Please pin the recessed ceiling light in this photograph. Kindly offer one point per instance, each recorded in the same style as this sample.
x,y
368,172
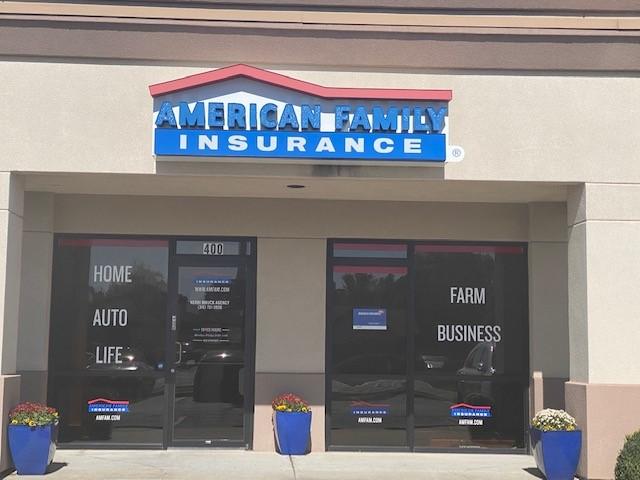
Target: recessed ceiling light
x,y
296,185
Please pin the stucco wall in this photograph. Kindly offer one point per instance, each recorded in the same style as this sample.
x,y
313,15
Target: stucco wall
x,y
290,330
604,274
97,118
548,310
35,296
11,225
281,218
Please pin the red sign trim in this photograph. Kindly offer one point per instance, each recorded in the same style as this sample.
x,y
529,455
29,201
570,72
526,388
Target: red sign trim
x,y
278,80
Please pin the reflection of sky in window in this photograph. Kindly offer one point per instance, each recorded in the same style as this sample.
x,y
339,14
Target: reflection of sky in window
x,y
366,250
491,250
155,259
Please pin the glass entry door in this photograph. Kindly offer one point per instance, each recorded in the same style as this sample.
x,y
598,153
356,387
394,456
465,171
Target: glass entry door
x,y
211,338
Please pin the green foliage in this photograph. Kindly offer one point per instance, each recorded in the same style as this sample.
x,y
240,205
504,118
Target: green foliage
x,y
628,463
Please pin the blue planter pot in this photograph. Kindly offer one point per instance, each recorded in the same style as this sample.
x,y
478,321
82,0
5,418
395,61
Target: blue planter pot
x,y
32,448
556,453
293,432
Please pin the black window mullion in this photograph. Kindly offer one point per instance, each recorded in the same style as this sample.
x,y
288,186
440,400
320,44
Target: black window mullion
x,y
330,300
411,348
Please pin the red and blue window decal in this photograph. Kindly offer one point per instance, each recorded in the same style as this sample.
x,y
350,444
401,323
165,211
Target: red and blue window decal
x,y
103,405
464,410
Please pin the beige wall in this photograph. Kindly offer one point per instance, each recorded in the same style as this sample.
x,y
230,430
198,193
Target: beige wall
x,y
9,398
290,328
35,296
291,281
513,127
603,414
35,288
604,274
604,240
279,218
11,223
11,226
548,324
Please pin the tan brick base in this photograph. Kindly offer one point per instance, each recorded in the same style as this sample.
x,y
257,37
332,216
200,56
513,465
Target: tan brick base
x,y
9,398
606,413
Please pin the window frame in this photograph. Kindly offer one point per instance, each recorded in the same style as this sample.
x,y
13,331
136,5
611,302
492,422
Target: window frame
x,y
410,263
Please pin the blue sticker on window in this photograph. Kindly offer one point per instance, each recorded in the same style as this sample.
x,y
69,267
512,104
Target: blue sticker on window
x,y
369,318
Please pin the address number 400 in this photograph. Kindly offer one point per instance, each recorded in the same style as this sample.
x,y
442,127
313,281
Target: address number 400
x,y
213,248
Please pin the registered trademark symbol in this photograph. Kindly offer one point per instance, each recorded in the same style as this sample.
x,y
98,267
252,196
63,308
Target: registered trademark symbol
x,y
456,152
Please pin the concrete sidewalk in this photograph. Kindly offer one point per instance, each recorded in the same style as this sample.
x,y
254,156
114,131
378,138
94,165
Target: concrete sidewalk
x,y
198,464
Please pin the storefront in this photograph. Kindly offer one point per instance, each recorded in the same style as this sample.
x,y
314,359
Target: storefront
x,y
426,342
421,219
153,343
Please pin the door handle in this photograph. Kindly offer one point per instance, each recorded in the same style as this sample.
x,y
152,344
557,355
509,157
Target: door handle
x,y
179,352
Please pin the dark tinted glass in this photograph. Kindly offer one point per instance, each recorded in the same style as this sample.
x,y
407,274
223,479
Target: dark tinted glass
x,y
209,398
368,388
471,346
369,410
107,337
471,310
468,413
118,409
463,372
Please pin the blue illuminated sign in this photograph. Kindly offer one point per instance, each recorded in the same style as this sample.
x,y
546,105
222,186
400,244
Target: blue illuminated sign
x,y
393,125
206,143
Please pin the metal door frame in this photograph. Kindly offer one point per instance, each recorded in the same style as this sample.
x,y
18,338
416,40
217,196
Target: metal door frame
x,y
193,260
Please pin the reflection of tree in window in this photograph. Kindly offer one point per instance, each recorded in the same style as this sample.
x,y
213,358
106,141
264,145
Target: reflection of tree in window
x,y
145,301
372,289
436,273
375,352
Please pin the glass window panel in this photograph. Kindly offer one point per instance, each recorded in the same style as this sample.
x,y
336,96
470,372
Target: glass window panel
x,y
468,413
369,410
376,345
368,401
471,348
106,409
108,320
369,250
471,310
